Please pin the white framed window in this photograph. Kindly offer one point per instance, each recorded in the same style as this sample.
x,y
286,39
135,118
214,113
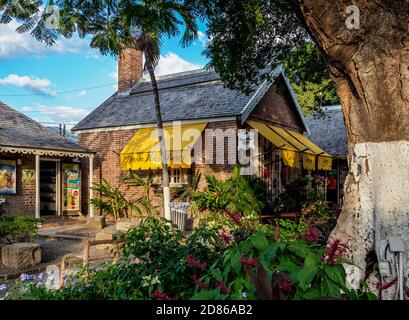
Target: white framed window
x,y
177,177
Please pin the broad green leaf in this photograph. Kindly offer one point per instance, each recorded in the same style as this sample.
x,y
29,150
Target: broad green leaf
x,y
336,273
300,249
312,293
235,262
311,260
305,277
329,289
259,241
207,295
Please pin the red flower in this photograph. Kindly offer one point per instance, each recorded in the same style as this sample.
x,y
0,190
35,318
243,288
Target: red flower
x,y
196,281
334,249
196,263
160,296
236,217
311,234
222,287
284,282
387,285
251,263
225,238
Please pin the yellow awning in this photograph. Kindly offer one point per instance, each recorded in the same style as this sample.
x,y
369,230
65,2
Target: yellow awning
x,y
143,151
324,163
308,143
308,161
272,136
291,158
293,142
287,135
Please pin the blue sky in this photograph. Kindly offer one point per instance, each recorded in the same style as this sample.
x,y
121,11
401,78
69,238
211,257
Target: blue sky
x,y
35,80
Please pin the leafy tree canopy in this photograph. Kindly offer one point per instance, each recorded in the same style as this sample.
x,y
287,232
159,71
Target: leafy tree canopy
x,y
247,35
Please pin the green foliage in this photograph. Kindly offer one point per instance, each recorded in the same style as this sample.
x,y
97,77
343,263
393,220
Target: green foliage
x,y
118,201
310,79
260,268
143,204
159,263
18,228
238,194
291,230
155,258
247,36
113,200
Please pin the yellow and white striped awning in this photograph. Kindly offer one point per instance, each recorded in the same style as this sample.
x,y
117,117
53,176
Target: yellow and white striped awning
x,y
294,147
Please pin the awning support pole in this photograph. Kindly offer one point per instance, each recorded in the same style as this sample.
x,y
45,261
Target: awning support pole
x,y
37,196
91,183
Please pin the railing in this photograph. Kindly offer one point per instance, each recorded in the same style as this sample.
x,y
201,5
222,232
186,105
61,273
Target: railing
x,y
85,257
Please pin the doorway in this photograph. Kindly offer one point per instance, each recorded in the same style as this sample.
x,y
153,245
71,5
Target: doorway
x,y
48,188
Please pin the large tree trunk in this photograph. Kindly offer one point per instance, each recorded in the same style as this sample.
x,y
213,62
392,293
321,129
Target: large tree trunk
x,y
370,67
159,123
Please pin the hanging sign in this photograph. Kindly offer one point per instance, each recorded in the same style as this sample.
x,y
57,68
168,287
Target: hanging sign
x,y
72,186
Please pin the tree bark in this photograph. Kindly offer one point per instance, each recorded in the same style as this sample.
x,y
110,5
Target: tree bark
x,y
165,174
370,68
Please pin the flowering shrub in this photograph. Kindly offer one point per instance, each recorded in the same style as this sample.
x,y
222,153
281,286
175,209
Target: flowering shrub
x,y
260,268
158,263
214,262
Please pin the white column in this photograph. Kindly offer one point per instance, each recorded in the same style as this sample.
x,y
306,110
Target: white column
x,y
37,172
91,182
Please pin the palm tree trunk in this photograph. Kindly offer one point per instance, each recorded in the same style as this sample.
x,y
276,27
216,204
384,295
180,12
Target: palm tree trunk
x,y
165,174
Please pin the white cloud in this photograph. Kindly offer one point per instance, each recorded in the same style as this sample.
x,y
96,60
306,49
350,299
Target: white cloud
x,y
172,63
13,43
60,114
168,64
82,93
30,83
202,38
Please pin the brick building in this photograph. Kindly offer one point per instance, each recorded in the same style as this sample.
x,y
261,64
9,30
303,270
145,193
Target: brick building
x,y
220,122
40,171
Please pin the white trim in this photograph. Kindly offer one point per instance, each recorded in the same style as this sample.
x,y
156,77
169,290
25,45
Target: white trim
x,y
91,184
153,125
45,152
37,194
58,189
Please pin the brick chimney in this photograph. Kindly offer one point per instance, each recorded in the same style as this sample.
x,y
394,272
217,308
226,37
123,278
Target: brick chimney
x,y
129,69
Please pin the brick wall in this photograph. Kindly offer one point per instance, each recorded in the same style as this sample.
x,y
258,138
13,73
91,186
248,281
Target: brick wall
x,y
109,144
278,109
129,69
23,203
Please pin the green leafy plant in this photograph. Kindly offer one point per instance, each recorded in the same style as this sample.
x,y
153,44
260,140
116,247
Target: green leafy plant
x,y
158,263
113,200
261,268
143,204
18,228
239,195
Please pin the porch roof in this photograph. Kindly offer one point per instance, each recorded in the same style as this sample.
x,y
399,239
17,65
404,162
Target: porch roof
x,y
21,133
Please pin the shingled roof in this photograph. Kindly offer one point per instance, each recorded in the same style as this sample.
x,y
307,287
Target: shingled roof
x,y
329,133
188,95
18,130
